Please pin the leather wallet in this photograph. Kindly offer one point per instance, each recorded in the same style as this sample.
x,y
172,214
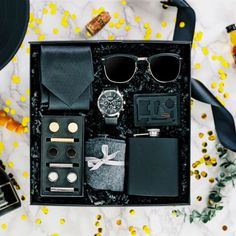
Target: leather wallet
x,y
66,77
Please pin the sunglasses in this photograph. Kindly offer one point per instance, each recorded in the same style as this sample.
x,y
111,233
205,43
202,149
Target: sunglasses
x,y
121,68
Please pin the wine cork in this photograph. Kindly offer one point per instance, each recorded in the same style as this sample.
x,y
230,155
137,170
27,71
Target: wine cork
x,y
96,24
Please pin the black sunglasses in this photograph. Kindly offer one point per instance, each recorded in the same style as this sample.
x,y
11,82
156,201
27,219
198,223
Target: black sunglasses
x,y
121,68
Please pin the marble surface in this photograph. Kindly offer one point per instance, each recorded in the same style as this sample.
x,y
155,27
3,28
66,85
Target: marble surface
x,y
132,19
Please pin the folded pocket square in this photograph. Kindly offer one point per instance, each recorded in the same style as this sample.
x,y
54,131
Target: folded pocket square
x,y
66,77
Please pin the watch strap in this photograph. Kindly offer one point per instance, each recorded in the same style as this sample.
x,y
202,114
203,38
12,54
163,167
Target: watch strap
x,y
111,120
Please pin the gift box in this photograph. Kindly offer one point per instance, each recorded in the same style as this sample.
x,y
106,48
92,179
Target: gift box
x,y
82,163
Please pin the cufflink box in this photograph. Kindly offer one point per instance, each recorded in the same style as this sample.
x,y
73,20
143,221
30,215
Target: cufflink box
x,y
94,124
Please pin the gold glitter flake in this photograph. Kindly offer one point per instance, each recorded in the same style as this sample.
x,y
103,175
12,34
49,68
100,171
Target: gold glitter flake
x,y
119,222
204,116
146,229
132,212
199,198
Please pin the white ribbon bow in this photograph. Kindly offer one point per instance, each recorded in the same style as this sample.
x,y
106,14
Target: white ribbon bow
x,y
96,163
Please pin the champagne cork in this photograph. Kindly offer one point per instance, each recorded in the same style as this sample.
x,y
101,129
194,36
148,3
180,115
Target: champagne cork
x,y
96,24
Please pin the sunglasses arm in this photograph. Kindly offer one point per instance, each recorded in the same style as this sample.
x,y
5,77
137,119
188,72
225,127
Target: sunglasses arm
x,y
185,14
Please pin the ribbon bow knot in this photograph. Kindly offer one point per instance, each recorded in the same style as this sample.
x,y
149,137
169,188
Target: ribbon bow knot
x,y
95,163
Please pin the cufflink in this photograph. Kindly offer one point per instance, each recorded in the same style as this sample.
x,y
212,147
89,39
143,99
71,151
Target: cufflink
x,y
53,176
71,152
71,177
73,127
52,152
54,127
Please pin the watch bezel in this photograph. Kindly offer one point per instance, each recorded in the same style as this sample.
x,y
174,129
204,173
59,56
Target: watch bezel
x,y
119,94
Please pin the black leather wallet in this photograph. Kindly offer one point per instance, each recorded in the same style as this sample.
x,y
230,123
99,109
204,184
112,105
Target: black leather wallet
x,y
66,77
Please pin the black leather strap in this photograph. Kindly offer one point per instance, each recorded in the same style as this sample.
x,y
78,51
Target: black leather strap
x,y
111,120
224,122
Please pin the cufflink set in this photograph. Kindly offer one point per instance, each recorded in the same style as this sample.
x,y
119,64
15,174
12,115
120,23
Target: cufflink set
x,y
62,155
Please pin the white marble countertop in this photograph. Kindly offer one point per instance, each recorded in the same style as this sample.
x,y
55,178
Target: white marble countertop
x,y
131,19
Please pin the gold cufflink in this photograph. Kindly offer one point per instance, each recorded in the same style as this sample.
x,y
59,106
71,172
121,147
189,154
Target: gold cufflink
x,y
73,127
54,127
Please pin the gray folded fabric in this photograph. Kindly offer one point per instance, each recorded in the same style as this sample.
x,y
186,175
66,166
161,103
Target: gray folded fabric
x,y
109,173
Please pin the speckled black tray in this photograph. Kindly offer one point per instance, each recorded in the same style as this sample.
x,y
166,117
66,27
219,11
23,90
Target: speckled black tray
x,y
141,82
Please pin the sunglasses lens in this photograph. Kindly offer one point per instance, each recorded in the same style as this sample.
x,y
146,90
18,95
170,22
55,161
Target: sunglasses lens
x,y
165,68
119,69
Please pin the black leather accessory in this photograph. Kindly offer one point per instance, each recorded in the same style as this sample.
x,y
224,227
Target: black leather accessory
x,y
152,168
156,110
8,198
66,77
14,16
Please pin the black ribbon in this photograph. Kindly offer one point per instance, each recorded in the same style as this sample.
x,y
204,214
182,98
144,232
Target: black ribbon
x,y
224,122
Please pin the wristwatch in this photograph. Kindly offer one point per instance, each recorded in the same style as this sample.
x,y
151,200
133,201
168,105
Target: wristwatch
x,y
110,103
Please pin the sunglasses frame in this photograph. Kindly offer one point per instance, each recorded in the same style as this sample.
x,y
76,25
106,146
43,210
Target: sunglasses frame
x,y
148,60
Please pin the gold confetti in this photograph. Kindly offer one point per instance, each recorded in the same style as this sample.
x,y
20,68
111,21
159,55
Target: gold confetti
x,y
25,174
10,164
97,224
16,79
204,116
132,212
137,19
226,95
116,15
201,135
211,180
146,229
197,66
164,24
205,51
62,221
204,174
214,85
119,222
182,24
24,217
212,137
224,227
44,210
4,226
146,25
199,198
38,221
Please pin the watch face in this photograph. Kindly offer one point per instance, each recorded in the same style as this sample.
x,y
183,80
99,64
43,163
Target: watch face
x,y
110,102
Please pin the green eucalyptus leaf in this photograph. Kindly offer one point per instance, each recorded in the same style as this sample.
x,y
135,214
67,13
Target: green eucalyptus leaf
x,y
205,218
190,219
196,214
219,208
231,168
215,197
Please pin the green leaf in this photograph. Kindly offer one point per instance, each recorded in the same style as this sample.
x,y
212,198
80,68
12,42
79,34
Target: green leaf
x,y
196,214
219,208
190,219
205,219
215,197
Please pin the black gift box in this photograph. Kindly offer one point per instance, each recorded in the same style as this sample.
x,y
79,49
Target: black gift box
x,y
94,122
